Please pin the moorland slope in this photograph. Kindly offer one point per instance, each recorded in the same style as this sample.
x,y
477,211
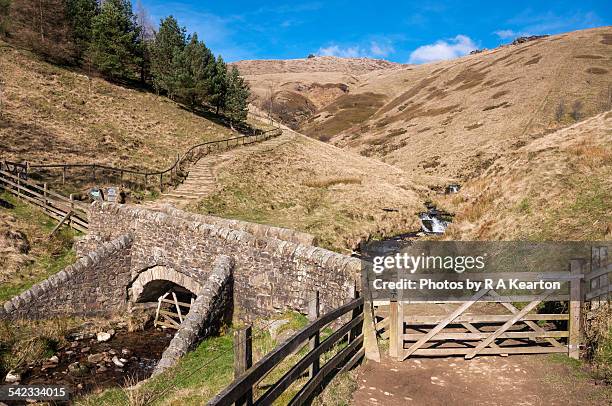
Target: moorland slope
x,y
450,118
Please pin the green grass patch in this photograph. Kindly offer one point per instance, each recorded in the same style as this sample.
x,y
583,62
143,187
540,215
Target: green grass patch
x,y
50,255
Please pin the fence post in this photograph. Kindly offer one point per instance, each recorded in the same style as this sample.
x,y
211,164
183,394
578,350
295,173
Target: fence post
x,y
64,175
313,314
370,342
354,331
18,186
45,196
161,182
577,267
146,179
243,360
72,209
393,330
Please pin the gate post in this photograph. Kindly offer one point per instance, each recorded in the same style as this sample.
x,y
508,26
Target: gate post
x,y
577,267
393,330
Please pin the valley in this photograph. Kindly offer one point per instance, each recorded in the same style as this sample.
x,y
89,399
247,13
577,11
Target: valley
x,y
239,256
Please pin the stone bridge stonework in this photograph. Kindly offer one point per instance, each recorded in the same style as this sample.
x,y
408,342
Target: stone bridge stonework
x,y
194,283
129,248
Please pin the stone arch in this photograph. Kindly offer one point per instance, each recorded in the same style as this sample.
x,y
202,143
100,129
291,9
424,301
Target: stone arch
x,y
161,274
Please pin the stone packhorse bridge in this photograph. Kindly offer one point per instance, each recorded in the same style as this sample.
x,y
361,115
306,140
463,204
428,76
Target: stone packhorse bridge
x,y
133,255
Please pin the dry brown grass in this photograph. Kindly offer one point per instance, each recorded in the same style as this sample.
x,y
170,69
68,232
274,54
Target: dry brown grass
x,y
453,101
304,184
27,254
558,187
52,114
27,341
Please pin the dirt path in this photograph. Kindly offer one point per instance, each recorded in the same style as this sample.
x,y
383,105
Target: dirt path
x,y
514,380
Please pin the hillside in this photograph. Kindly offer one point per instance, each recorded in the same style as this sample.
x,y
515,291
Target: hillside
x,y
452,118
52,114
301,87
301,183
558,187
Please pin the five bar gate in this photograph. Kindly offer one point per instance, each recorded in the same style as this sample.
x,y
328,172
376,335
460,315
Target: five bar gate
x,y
488,324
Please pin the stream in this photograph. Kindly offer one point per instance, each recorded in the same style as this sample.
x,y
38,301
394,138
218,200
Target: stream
x,y
86,365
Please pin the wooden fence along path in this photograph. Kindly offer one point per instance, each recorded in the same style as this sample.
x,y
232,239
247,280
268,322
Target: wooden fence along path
x,y
66,210
15,178
350,334
147,179
454,330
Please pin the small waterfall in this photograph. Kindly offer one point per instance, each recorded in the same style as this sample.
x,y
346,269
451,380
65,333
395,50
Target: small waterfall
x,y
434,221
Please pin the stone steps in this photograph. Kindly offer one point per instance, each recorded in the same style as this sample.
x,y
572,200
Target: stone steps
x,y
200,182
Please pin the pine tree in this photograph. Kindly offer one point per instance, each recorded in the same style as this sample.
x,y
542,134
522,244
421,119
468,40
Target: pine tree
x,y
166,55
236,103
197,68
81,14
218,85
115,49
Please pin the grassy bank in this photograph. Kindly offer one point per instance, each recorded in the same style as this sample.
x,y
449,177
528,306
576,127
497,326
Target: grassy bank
x,y
45,256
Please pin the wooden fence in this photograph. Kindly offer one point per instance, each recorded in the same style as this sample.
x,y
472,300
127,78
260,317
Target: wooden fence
x,y
64,209
241,391
454,330
169,177
598,288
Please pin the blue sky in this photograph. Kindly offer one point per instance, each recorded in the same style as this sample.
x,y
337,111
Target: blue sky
x,y
401,31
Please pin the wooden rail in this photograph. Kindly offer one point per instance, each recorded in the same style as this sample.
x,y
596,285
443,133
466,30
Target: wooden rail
x,y
63,209
172,175
242,389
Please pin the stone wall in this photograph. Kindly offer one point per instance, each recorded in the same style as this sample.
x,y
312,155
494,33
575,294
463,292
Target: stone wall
x,y
94,285
270,275
207,314
258,230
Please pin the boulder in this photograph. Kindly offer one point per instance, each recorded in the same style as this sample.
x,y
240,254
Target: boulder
x,y
12,377
117,362
76,368
96,358
103,336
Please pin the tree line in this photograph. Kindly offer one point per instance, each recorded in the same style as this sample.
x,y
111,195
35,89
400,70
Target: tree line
x,y
109,37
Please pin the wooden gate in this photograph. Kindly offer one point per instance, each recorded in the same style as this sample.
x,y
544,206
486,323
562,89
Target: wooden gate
x,y
488,324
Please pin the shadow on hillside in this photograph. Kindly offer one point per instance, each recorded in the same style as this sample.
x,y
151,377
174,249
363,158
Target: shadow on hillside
x,y
28,136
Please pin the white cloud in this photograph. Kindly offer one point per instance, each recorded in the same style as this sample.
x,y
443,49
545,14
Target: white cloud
x,y
381,50
506,34
335,50
442,50
529,23
374,50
